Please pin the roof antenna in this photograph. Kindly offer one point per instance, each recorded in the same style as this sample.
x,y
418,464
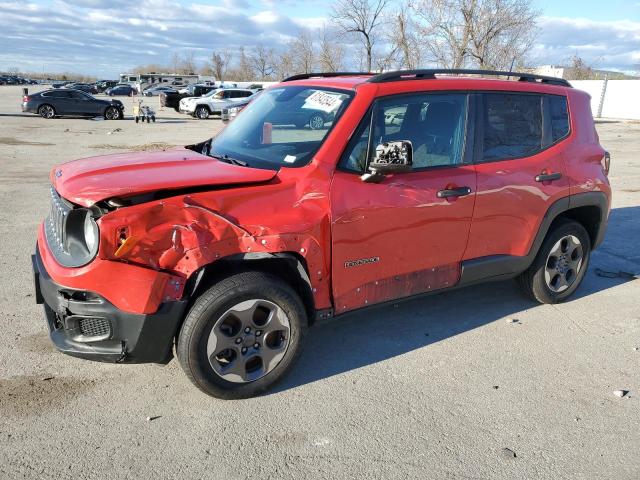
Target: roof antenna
x,y
511,68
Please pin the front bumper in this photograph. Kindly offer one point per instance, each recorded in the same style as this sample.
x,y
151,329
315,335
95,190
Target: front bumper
x,y
85,325
182,109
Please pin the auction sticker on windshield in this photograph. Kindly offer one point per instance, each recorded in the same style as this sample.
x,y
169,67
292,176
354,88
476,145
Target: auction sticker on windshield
x,y
324,101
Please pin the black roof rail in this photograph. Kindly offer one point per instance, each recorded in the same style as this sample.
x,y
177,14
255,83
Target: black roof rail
x,y
304,76
431,74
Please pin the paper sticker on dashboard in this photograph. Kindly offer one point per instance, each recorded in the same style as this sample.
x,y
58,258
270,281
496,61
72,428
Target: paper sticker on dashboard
x,y
324,101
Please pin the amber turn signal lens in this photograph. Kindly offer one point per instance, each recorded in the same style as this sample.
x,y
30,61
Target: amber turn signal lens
x,y
125,247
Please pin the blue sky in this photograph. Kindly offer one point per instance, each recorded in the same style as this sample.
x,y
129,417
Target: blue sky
x,y
104,38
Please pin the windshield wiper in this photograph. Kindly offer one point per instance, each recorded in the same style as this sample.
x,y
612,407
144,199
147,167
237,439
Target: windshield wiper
x,y
233,161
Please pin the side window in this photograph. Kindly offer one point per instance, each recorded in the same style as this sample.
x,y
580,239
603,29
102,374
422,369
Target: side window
x,y
512,126
355,156
559,117
433,123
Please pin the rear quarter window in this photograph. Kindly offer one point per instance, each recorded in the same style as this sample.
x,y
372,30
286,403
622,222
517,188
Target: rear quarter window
x,y
559,115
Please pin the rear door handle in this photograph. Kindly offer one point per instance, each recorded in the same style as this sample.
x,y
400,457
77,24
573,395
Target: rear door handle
x,y
454,192
548,177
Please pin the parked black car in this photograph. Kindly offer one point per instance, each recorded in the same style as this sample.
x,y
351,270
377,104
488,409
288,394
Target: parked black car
x,y
61,102
85,87
172,100
103,85
125,90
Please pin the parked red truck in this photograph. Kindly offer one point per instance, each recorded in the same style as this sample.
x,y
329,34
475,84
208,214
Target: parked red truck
x,y
418,181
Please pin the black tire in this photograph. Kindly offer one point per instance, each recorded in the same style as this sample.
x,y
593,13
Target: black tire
x,y
46,111
153,118
202,112
137,119
534,281
112,113
212,306
148,119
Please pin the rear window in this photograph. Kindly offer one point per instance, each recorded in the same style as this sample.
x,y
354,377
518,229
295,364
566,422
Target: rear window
x,y
512,126
559,117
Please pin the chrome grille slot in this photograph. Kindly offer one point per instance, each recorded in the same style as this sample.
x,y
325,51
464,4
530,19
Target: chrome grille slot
x,y
55,223
65,229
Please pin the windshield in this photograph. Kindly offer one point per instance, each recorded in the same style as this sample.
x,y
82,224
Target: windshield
x,y
212,92
284,126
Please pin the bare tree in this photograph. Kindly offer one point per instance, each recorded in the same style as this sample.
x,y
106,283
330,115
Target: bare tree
x,y
331,54
579,70
262,62
482,33
220,63
303,52
183,63
404,40
363,18
284,64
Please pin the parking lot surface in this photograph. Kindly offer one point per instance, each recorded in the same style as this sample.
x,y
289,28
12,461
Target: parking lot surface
x,y
474,383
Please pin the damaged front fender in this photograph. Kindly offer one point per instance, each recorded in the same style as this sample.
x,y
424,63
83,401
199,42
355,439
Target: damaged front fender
x,y
182,234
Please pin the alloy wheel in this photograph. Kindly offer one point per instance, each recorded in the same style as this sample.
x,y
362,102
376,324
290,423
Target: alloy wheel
x,y
316,122
202,113
46,111
112,113
248,341
563,263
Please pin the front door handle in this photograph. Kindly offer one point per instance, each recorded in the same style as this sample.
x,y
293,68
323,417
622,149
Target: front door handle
x,y
548,177
454,192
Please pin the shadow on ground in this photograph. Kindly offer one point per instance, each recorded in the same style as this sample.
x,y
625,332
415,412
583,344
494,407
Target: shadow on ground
x,y
376,334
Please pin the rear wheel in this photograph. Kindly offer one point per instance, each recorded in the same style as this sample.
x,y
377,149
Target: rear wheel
x,y
46,111
316,121
560,264
242,335
202,112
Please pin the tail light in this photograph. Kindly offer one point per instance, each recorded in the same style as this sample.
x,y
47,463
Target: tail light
x,y
26,98
606,163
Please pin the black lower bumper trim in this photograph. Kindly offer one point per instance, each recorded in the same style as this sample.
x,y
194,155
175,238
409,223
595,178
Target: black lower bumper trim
x,y
129,338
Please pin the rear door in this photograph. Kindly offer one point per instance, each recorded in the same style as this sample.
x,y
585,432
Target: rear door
x,y
61,101
403,236
520,170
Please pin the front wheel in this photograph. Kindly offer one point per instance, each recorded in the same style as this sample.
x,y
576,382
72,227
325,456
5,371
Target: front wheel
x,y
560,265
202,112
112,113
242,335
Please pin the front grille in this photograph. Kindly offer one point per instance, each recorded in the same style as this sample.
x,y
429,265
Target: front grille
x,y
95,327
55,223
64,230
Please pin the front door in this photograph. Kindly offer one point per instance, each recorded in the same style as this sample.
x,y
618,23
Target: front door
x,y
406,234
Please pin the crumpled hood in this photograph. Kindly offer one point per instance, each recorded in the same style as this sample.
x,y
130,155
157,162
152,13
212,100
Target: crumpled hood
x,y
93,179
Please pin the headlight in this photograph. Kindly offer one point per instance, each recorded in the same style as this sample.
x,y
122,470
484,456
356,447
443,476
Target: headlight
x,y
90,233
82,235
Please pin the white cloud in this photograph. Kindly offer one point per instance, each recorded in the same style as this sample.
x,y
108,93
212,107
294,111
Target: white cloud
x,y
602,44
106,37
266,16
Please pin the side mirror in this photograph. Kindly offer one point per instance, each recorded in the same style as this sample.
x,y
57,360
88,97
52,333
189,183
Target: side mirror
x,y
390,157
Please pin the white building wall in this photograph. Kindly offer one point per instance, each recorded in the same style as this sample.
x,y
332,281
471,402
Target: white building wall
x,y
621,98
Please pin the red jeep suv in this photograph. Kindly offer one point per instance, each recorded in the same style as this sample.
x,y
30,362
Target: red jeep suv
x,y
412,182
